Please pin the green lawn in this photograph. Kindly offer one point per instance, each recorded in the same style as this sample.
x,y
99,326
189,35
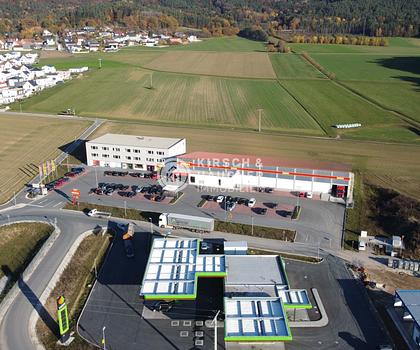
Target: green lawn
x,y
330,104
293,66
123,93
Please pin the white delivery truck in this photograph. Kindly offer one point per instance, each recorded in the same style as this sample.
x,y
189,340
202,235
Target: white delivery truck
x,y
192,223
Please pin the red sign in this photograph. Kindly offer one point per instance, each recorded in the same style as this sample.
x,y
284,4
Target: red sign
x,y
75,192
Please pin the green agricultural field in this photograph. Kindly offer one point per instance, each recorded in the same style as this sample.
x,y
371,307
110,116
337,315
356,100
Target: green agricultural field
x,y
331,104
368,67
296,97
125,93
226,64
25,142
401,97
293,66
224,44
397,46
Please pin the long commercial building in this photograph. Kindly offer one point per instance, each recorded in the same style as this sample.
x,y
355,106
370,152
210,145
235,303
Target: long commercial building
x,y
234,171
133,152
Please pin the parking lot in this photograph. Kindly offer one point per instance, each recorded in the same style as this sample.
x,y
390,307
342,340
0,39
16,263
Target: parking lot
x,y
320,222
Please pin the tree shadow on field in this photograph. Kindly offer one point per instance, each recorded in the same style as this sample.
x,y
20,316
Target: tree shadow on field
x,y
404,64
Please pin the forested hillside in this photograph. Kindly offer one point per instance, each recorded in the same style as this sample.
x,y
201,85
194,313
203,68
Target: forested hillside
x,y
219,17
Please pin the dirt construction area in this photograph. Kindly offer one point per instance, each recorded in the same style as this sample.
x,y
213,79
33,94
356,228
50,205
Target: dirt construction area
x,y
242,64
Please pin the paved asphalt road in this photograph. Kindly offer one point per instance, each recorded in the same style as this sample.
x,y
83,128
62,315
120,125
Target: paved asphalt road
x,y
352,324
14,326
320,222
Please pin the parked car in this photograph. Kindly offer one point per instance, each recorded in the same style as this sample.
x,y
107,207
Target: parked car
x,y
204,246
262,211
273,205
242,201
309,195
219,199
139,189
301,194
230,206
108,173
129,249
131,194
145,189
159,198
109,192
268,190
70,174
78,170
163,306
251,202
235,199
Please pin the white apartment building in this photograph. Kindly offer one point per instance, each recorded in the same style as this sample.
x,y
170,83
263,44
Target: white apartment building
x,y
132,152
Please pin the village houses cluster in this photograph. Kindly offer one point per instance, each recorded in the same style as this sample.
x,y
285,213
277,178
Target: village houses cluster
x,y
19,78
90,39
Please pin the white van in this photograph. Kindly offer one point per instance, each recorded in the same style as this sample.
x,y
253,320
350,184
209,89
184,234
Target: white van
x,y
362,245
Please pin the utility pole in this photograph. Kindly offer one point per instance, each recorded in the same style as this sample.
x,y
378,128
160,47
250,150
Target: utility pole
x,y
259,118
96,178
215,329
125,209
100,63
252,225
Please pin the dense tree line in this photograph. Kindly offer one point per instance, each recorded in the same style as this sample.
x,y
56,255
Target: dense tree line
x,y
221,17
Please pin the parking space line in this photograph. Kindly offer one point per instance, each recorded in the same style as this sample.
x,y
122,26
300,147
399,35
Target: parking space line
x,y
55,205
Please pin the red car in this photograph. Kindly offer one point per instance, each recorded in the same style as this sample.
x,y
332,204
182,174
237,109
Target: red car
x,y
301,194
70,174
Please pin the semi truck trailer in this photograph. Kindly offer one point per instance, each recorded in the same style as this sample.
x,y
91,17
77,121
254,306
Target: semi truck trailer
x,y
189,222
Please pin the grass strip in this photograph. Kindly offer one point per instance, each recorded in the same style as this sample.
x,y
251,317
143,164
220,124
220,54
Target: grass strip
x,y
19,243
75,283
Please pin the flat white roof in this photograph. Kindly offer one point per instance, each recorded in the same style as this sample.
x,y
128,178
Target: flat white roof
x,y
254,270
255,317
173,265
136,141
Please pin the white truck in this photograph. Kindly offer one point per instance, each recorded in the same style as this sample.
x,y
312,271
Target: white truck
x,y
99,214
189,222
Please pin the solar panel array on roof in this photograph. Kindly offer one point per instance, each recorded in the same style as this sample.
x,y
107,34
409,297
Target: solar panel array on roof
x,y
255,319
173,268
411,301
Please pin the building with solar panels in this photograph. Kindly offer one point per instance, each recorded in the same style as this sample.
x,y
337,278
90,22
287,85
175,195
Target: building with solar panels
x,y
256,292
406,316
234,171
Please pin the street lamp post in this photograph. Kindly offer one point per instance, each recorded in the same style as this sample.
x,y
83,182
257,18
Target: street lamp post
x,y
215,329
252,225
125,209
103,337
